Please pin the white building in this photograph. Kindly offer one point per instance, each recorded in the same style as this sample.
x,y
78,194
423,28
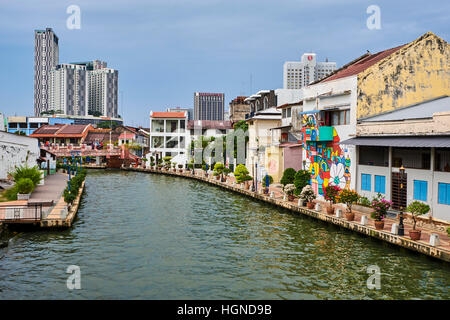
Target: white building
x,y
168,135
2,122
103,91
17,150
297,74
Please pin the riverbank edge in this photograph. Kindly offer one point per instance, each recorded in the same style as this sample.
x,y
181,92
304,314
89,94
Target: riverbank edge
x,y
73,210
416,246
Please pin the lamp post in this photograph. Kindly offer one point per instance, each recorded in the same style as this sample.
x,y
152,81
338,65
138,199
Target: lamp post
x,y
401,227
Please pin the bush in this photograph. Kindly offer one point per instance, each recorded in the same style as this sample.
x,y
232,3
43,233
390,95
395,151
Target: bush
x,y
417,208
241,173
364,201
11,193
289,189
288,176
226,171
301,180
349,197
331,194
380,209
270,181
307,194
25,185
218,167
24,172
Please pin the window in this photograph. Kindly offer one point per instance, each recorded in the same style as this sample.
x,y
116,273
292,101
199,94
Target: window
x,y
380,184
284,113
171,142
444,193
365,182
374,156
157,125
289,112
171,125
157,142
420,190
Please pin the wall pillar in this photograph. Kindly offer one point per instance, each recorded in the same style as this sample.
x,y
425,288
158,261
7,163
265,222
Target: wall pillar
x,y
432,162
389,177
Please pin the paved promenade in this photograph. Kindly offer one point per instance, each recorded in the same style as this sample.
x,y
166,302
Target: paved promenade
x,y
52,189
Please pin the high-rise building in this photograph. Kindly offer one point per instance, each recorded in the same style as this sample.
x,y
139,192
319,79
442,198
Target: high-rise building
x,y
102,88
209,106
46,57
68,90
297,74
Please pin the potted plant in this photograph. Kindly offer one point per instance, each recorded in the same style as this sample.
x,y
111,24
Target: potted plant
x,y
180,168
191,167
205,170
308,195
247,180
218,168
417,208
241,174
24,187
331,195
289,190
349,197
226,172
380,207
216,175
288,176
265,185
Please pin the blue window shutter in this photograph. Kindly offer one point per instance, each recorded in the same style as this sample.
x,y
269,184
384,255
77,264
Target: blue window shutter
x,y
448,193
424,190
442,193
420,190
365,182
416,190
380,184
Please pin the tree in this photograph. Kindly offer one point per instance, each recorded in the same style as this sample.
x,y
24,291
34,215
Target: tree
x,y
241,125
288,176
301,179
95,113
417,208
241,173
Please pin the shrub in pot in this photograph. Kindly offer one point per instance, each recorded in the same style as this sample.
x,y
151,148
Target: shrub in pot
x,y
180,167
331,194
380,207
240,173
308,196
218,168
301,179
226,172
288,176
349,197
416,209
246,180
289,190
24,188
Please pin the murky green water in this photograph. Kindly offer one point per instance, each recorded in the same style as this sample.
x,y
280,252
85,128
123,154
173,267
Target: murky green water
x,y
142,236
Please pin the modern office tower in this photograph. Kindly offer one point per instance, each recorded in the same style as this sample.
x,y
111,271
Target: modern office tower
x,y
208,106
46,57
297,74
68,90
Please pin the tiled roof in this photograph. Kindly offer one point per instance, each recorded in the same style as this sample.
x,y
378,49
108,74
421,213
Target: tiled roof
x,y
64,131
168,115
126,135
360,64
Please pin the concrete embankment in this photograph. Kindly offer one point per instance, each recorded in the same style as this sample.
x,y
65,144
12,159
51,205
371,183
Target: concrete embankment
x,y
440,253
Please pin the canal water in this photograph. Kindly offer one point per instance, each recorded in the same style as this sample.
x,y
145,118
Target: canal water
x,y
143,236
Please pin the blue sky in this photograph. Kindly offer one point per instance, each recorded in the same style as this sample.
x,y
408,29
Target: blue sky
x,y
166,49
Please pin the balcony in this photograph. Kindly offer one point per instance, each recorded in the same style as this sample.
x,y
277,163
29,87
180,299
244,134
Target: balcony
x,y
317,134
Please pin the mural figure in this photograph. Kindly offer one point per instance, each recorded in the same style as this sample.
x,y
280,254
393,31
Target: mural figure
x,y
325,160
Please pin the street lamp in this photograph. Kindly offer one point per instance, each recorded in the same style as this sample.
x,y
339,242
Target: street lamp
x,y
401,227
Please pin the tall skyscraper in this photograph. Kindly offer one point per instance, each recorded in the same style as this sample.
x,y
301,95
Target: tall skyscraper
x,y
68,92
297,74
46,57
103,91
209,106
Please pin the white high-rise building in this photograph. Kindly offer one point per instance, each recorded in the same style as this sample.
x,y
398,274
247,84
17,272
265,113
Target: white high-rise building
x,y
103,91
68,92
297,74
46,57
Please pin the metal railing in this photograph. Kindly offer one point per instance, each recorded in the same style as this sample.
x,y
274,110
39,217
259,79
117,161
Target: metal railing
x,y
21,214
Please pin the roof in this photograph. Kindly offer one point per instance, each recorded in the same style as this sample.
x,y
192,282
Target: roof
x,y
168,115
126,135
62,130
209,124
286,105
94,136
359,64
401,141
416,111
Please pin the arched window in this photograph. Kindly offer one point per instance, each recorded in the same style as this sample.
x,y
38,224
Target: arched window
x,y
266,102
258,105
252,107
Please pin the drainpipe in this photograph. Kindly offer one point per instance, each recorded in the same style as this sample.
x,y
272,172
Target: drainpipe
x,y
389,177
432,161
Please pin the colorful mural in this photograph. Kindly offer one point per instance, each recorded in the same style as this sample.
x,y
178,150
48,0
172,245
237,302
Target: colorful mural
x,y
327,162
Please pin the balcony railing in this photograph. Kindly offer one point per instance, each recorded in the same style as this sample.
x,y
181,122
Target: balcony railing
x,y
21,214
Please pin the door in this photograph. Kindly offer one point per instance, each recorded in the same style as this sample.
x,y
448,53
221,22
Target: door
x,y
399,190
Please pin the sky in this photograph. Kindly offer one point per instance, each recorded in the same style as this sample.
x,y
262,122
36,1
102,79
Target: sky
x,y
165,50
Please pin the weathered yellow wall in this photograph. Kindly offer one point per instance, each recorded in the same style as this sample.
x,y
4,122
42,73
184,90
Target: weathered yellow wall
x,y
273,162
415,73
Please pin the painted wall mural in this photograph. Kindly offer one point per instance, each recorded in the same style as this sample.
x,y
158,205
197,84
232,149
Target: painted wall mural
x,y
326,161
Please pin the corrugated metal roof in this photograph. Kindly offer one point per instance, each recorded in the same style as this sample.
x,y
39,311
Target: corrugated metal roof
x,y
416,111
410,141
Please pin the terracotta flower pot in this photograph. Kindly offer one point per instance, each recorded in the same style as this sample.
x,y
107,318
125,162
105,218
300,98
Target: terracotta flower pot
x,y
379,225
217,177
330,210
291,197
414,234
349,216
310,205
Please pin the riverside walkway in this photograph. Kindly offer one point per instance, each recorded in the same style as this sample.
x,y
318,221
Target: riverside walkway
x,y
440,251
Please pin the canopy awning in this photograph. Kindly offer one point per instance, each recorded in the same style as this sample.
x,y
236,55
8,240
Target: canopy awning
x,y
308,112
403,141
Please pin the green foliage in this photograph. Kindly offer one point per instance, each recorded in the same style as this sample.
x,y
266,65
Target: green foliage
x,y
191,166
364,201
95,113
75,185
417,208
23,172
288,176
448,231
241,173
25,185
348,197
307,193
204,167
270,181
11,193
289,189
226,171
241,125
218,167
301,180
